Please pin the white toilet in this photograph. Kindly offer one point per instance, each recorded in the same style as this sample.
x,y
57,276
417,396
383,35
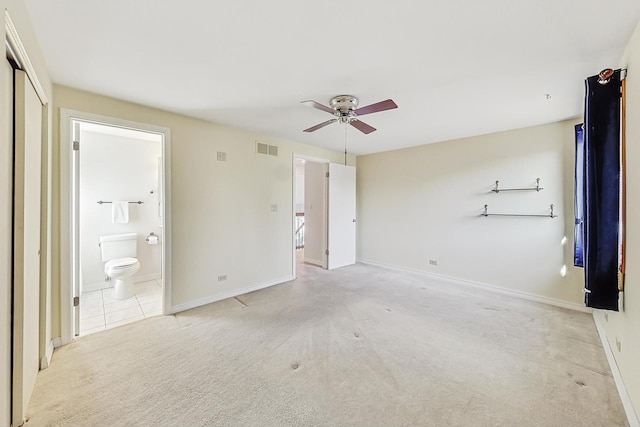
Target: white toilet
x,y
119,253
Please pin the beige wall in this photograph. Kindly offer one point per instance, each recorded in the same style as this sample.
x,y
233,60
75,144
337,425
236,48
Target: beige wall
x,y
425,202
222,222
624,327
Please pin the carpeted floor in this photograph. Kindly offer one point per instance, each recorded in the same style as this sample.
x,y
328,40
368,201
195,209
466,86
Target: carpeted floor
x,y
359,346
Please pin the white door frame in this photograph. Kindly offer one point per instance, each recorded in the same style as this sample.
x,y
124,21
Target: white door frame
x,y
14,42
293,202
67,117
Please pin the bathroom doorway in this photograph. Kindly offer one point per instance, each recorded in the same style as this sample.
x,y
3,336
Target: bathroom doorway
x,y
126,163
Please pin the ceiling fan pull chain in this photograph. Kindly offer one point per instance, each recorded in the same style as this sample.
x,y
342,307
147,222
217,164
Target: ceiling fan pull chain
x,y
345,145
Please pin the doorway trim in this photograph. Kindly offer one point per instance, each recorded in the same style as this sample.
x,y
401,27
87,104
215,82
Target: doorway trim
x,y
67,117
17,48
295,157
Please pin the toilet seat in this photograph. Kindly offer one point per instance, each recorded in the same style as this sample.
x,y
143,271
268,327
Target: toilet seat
x,y
120,263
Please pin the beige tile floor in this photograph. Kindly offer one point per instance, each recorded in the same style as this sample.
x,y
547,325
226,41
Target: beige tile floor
x,y
99,311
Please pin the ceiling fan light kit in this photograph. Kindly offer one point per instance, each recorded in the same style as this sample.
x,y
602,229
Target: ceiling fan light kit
x,y
346,111
341,102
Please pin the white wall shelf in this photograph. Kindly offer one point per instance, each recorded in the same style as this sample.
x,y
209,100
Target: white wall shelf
x,y
550,215
537,188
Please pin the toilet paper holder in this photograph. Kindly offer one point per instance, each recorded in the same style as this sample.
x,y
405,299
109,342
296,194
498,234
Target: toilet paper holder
x,y
153,236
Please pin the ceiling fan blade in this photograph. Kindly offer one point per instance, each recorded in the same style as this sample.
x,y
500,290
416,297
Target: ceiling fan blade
x,y
378,106
321,125
319,106
362,126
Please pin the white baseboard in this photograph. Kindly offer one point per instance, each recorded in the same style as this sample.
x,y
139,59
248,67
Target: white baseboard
x,y
632,417
493,288
46,360
106,285
57,342
228,294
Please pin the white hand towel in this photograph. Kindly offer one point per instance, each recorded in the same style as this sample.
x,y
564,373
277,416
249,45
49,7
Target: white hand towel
x,y
120,212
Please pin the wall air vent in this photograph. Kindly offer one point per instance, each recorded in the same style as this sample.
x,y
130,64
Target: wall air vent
x,y
262,148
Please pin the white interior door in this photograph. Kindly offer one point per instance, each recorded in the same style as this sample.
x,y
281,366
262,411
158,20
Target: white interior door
x,y
342,216
26,243
6,241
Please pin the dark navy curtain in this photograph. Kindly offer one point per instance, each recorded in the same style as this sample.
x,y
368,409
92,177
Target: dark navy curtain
x,y
602,191
578,233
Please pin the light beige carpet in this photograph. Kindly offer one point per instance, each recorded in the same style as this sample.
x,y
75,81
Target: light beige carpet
x,y
360,346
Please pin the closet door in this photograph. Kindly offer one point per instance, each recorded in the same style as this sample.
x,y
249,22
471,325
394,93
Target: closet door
x,y
26,243
6,240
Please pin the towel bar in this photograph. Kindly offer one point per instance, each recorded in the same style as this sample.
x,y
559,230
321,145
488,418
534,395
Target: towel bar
x,y
101,202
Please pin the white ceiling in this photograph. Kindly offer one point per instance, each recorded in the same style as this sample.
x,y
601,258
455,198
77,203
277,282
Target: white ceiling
x,y
455,68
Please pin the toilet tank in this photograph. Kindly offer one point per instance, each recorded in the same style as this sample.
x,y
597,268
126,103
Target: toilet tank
x,y
115,246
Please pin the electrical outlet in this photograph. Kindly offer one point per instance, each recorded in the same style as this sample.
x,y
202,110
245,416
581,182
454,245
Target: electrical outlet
x,y
618,344
222,277
433,262
222,156
274,207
